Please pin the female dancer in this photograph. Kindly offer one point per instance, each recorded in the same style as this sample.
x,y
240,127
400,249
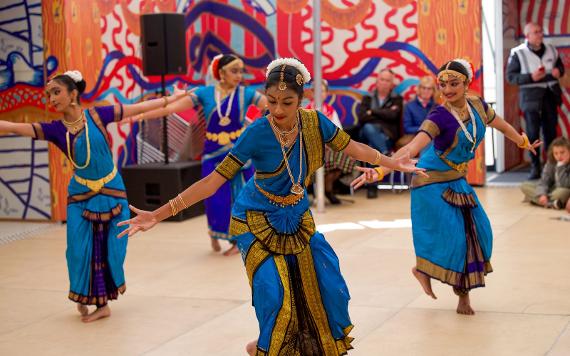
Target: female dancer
x,y
97,197
452,234
336,163
299,295
224,105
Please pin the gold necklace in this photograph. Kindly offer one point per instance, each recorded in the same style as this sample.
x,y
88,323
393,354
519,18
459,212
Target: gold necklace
x,y
74,126
225,119
296,188
282,135
88,143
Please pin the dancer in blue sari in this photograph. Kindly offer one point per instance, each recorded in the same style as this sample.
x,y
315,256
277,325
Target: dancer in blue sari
x,y
452,235
97,197
224,106
299,294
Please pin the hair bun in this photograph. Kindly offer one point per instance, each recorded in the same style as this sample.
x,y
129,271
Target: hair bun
x,y
81,86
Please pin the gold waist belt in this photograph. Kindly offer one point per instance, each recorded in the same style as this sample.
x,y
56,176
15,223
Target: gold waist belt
x,y
97,184
223,138
280,200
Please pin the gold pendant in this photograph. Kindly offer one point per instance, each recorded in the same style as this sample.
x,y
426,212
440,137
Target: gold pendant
x,y
297,189
225,121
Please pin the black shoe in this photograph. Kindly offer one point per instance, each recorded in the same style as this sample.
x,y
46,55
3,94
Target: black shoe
x,y
534,173
332,198
372,192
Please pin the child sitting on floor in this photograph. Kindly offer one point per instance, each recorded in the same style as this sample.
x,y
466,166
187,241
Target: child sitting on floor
x,y
553,188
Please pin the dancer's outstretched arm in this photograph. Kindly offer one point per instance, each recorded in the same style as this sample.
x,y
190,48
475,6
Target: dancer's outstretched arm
x,y
412,149
155,108
520,140
198,191
365,153
18,128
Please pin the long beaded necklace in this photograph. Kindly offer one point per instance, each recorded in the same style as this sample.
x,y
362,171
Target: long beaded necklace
x,y
296,188
88,143
224,120
470,138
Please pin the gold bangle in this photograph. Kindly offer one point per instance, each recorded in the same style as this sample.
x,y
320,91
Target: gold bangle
x,y
378,158
380,172
184,205
165,101
525,142
173,209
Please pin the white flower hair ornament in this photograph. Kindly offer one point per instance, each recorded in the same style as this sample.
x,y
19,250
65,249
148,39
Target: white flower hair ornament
x,y
302,78
75,75
468,67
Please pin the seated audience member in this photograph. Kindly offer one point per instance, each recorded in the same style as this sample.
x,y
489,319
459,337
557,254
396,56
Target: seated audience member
x,y
553,188
417,109
336,163
380,118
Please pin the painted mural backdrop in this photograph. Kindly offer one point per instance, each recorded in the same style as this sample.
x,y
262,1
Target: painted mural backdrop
x,y
101,38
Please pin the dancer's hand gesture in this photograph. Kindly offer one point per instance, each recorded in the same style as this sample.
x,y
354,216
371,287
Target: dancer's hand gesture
x,y
144,221
526,145
406,164
369,175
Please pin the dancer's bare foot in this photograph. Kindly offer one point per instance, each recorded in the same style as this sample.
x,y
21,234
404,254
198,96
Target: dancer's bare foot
x,y
251,347
425,282
231,251
82,309
99,313
215,244
464,305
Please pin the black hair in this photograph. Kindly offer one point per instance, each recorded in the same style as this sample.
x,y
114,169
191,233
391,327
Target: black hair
x,y
456,66
70,84
289,78
225,60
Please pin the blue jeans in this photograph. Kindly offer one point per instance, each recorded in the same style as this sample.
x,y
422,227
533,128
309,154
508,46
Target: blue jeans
x,y
374,136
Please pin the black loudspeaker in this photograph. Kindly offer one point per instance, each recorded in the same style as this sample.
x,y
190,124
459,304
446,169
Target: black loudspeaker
x,y
151,185
163,44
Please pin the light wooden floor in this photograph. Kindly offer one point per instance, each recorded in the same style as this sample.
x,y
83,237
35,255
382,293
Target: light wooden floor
x,y
182,299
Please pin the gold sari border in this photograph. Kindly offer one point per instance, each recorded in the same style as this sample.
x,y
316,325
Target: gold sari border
x,y
430,128
102,217
339,141
280,328
90,300
436,177
450,277
121,194
313,141
460,200
229,167
314,302
255,256
99,123
278,242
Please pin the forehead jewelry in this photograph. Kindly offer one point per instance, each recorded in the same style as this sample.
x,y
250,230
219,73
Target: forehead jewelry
x,y
282,84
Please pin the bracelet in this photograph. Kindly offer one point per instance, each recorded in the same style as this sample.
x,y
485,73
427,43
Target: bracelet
x,y
525,142
380,172
182,202
173,209
378,158
165,101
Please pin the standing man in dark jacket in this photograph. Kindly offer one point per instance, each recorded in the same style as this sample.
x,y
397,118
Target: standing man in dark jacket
x,y
380,116
536,67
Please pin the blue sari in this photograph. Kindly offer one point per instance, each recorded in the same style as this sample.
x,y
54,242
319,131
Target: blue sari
x,y
299,294
96,203
219,141
452,235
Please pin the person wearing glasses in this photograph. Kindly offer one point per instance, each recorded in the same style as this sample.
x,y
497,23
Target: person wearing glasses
x,y
417,110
